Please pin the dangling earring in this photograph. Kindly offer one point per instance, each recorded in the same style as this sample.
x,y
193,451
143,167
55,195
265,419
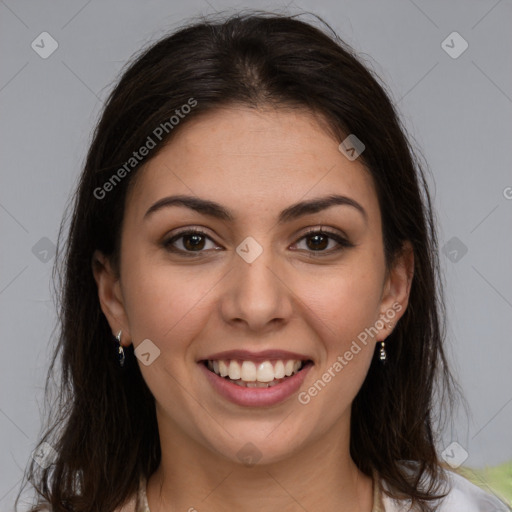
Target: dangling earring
x,y
120,350
383,354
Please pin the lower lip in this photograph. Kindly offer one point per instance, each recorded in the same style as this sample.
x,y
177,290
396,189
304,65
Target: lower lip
x,y
256,397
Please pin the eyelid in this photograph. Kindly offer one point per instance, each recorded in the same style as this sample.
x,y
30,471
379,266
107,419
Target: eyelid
x,y
320,229
168,241
339,237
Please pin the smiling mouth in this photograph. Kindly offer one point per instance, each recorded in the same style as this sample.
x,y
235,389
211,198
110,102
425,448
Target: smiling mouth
x,y
264,374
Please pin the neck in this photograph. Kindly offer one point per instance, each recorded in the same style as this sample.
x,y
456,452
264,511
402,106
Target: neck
x,y
321,476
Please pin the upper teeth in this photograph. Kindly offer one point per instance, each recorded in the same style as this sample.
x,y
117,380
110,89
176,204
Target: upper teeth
x,y
249,371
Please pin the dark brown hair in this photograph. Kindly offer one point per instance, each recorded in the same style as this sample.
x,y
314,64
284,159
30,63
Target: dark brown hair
x,y
103,423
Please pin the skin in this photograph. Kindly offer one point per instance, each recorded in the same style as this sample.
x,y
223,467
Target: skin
x,y
256,163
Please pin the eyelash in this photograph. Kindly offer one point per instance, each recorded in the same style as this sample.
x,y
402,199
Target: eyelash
x,y
343,243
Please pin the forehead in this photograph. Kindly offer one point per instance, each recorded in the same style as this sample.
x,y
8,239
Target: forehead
x,y
252,160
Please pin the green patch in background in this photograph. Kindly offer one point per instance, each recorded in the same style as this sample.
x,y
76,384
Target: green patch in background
x,y
495,480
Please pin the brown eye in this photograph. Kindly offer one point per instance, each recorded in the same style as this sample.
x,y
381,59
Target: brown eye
x,y
188,242
318,241
192,242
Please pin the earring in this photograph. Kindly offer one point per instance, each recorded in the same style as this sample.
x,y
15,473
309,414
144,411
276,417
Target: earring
x,y
383,354
120,350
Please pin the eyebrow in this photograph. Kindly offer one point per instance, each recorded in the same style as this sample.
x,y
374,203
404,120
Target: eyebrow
x,y
217,211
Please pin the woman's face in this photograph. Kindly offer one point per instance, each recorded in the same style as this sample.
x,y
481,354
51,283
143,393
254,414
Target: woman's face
x,y
253,281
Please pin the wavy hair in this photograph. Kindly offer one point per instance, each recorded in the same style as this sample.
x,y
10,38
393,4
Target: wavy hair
x,y
102,423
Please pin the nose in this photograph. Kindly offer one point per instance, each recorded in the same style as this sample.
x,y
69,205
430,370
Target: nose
x,y
256,295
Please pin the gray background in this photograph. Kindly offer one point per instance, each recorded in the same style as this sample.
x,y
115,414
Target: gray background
x,y
457,109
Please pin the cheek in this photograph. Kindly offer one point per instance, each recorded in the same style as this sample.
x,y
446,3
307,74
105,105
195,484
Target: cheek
x,y
346,298
169,306
361,288
344,305
343,308
164,303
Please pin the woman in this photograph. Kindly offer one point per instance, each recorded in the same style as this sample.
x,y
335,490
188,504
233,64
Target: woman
x,y
251,312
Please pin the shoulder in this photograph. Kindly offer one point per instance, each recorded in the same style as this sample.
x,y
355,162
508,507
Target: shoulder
x,y
462,496
129,506
468,497
138,501
134,503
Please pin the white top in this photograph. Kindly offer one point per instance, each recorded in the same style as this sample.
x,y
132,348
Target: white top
x,y
463,496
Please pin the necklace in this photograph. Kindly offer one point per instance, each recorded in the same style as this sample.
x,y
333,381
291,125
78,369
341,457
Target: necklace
x,y
378,506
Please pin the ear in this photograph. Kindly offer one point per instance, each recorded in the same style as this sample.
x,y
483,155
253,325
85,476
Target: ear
x,y
110,295
396,291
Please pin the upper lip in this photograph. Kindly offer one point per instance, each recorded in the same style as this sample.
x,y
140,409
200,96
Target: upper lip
x,y
265,355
